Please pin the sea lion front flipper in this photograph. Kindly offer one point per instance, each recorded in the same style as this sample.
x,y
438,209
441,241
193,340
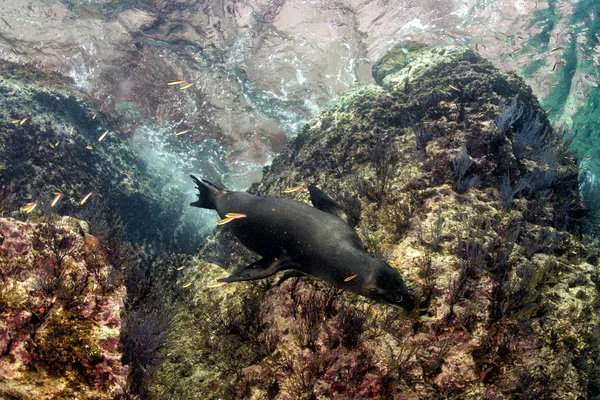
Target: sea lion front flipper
x,y
262,268
288,275
325,203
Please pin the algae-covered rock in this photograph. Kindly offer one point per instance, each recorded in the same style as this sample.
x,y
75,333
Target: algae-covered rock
x,y
52,140
60,313
450,171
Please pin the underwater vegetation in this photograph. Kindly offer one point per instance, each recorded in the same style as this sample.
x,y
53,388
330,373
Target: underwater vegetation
x,y
450,171
78,213
60,306
447,168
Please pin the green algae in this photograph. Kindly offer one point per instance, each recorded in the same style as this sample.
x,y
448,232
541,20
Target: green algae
x,y
396,59
67,343
582,12
9,295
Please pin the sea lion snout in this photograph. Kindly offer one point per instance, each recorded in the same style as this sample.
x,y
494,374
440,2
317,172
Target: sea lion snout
x,y
390,288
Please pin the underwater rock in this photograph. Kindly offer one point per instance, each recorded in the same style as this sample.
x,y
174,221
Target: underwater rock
x,y
59,314
450,171
55,141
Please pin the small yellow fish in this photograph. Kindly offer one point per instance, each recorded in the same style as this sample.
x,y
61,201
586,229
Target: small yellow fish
x,y
89,147
94,116
216,284
56,198
176,82
22,121
102,136
547,110
52,145
29,207
187,85
71,131
292,189
87,196
518,49
529,148
454,88
554,67
556,49
186,284
589,157
15,121
230,217
180,268
127,174
182,132
348,279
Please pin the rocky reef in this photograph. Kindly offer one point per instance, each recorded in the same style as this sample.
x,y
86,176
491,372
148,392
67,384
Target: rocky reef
x,y
449,170
73,195
61,299
53,140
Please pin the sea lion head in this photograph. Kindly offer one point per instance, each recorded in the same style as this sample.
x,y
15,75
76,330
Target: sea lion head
x,y
385,285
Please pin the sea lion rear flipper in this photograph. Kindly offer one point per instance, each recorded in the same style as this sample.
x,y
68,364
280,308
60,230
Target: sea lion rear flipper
x,y
262,268
207,192
325,203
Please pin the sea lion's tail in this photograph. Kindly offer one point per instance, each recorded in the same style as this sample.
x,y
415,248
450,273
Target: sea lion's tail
x,y
208,191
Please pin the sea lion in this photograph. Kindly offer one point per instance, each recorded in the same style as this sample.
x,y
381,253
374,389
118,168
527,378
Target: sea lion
x,y
317,241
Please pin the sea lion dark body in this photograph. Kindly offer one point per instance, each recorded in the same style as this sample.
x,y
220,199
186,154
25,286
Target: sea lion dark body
x,y
293,235
311,238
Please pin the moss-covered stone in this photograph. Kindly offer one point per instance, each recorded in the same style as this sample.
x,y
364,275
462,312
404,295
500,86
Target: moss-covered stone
x,y
67,343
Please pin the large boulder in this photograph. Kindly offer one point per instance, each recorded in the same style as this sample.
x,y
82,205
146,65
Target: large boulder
x,y
450,171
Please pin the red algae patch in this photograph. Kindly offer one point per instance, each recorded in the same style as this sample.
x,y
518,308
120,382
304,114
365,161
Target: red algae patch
x,y
59,331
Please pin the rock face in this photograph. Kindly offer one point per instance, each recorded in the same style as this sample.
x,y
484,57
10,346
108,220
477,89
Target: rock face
x,y
61,300
55,141
450,171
